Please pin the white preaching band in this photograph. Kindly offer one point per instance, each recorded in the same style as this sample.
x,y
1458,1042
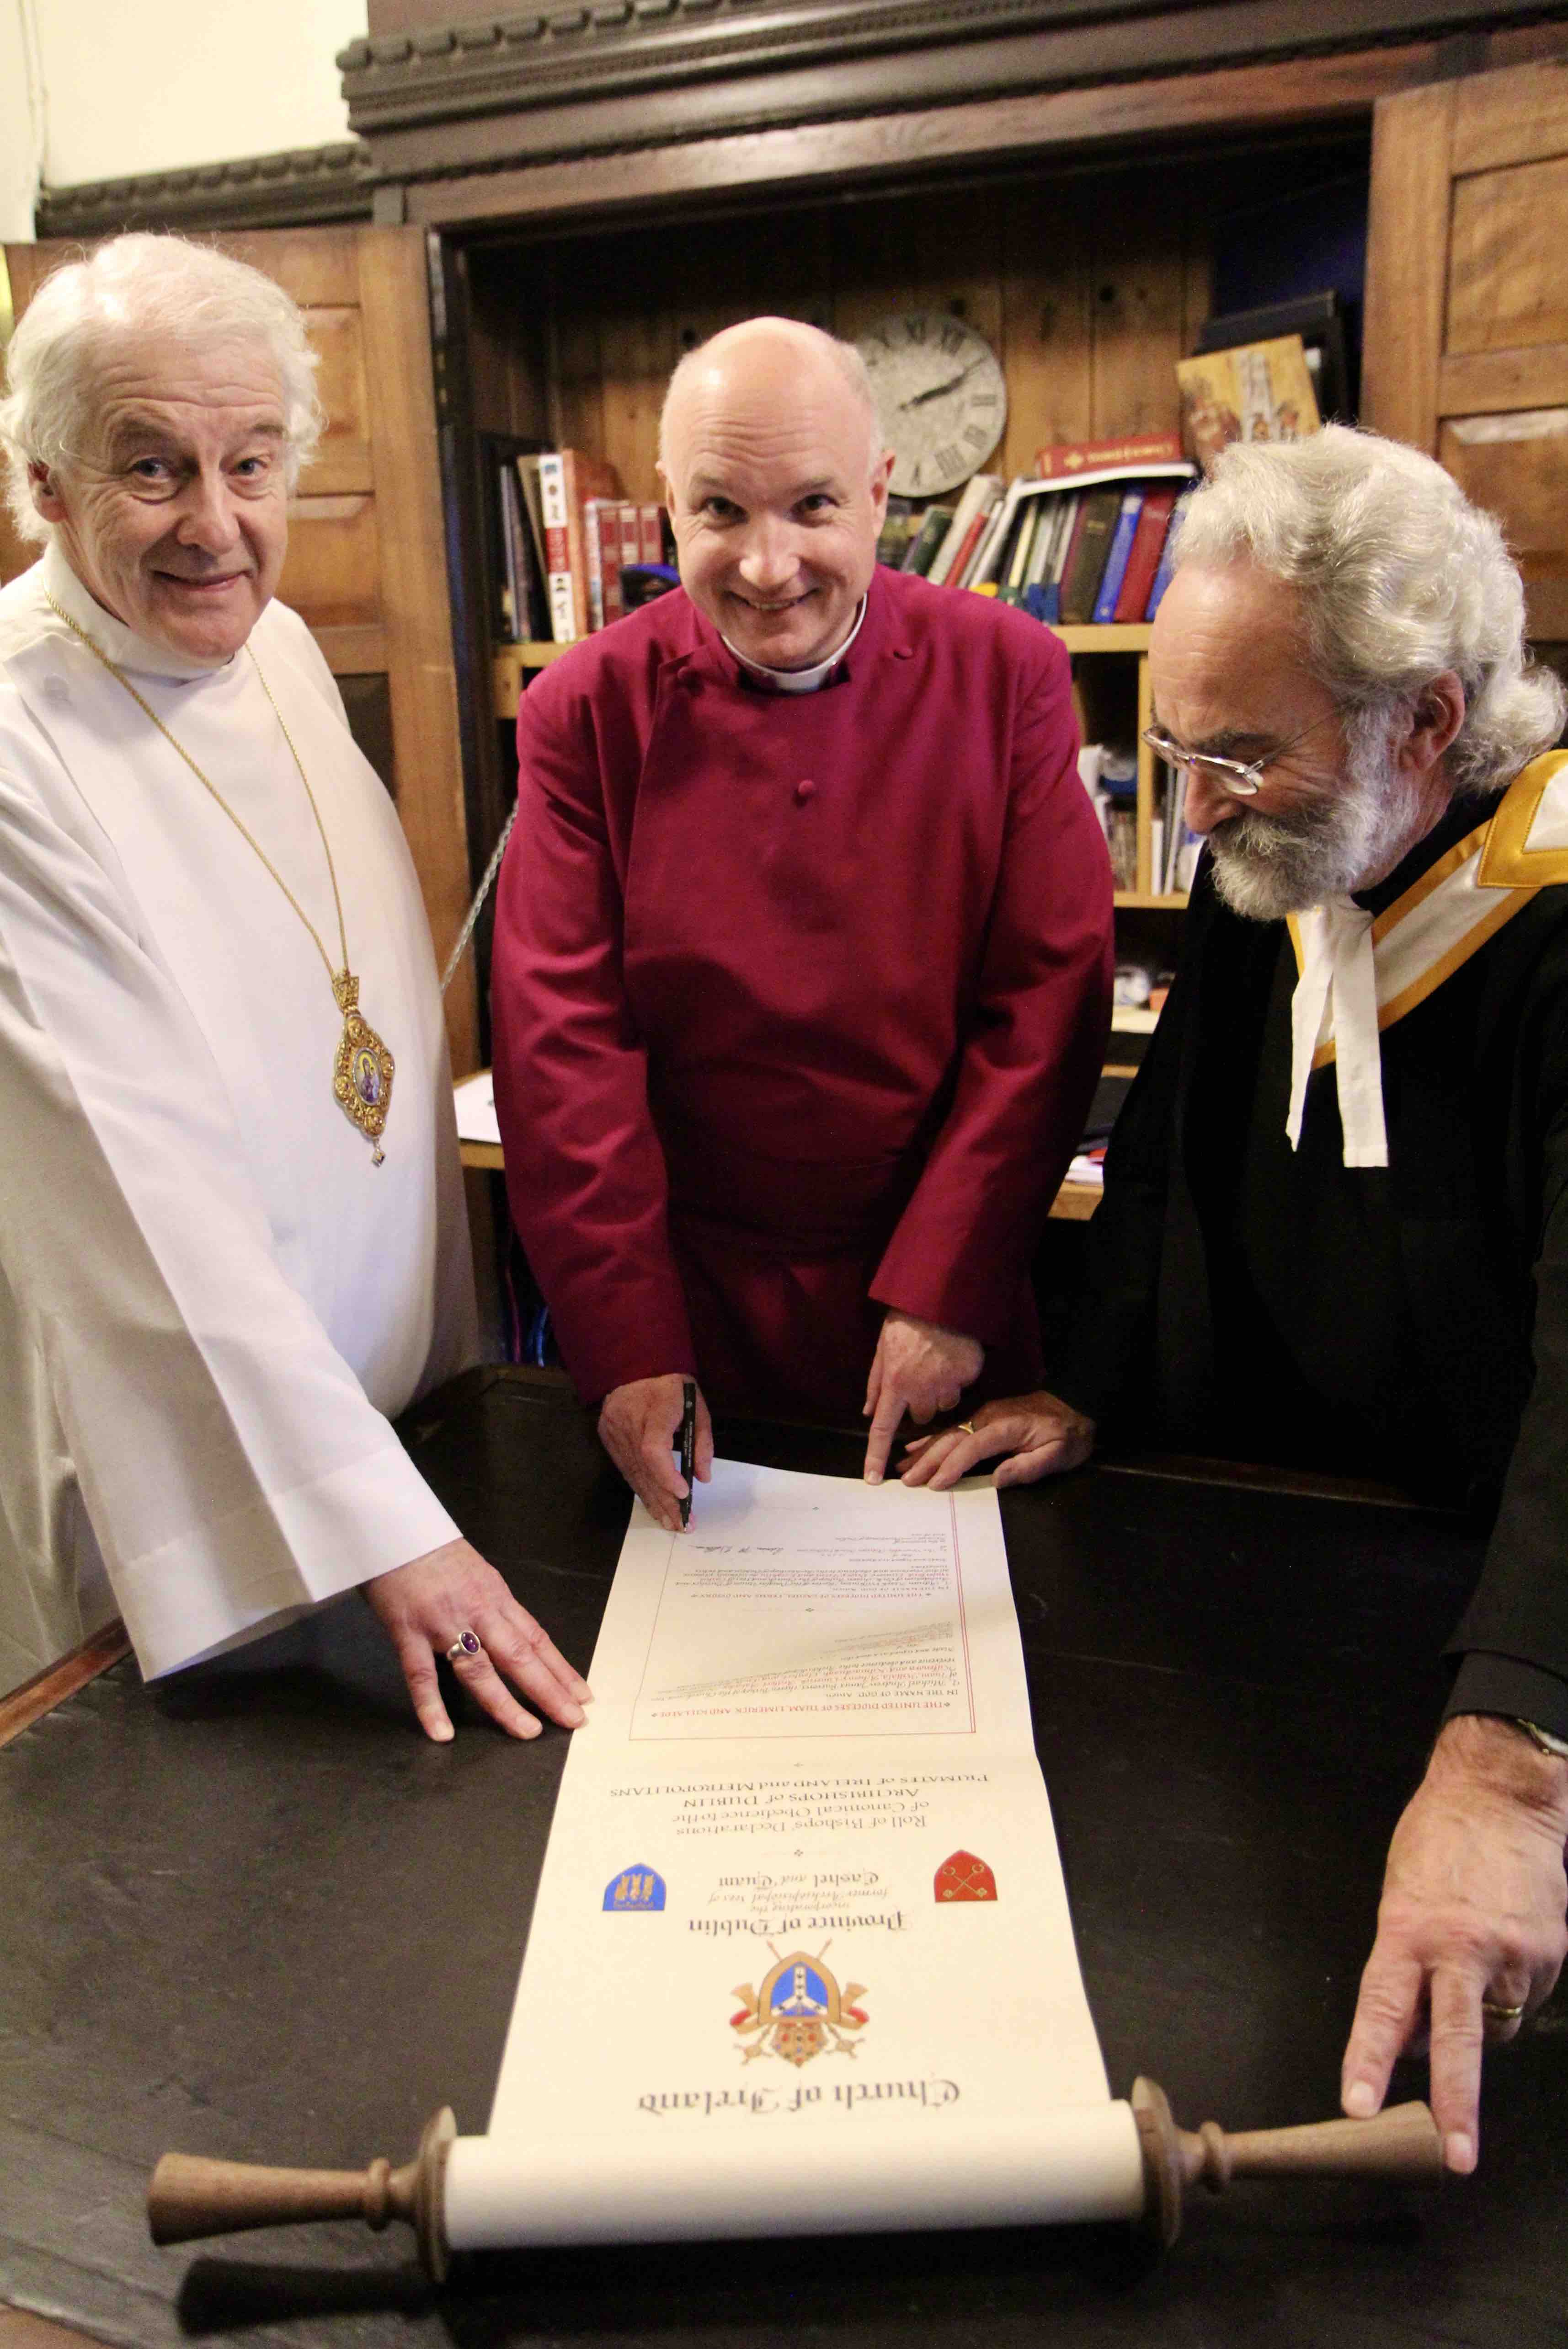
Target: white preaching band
x,y
232,1239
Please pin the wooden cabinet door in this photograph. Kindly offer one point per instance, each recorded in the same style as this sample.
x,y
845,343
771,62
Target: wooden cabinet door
x,y
1467,303
366,564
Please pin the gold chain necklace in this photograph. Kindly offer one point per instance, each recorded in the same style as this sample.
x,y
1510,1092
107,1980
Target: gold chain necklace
x,y
363,1070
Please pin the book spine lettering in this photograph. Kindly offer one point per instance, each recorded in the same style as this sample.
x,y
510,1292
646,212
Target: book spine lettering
x,y
1087,456
557,547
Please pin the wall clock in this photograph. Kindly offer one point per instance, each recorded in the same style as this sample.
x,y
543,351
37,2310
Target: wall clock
x,y
940,394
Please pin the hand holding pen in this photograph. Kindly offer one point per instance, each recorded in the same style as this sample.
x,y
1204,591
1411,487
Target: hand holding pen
x,y
689,1445
642,1426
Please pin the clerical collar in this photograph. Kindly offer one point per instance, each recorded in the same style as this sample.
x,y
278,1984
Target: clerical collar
x,y
122,644
800,680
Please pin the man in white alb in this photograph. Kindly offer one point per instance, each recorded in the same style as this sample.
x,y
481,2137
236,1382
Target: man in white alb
x,y
231,1227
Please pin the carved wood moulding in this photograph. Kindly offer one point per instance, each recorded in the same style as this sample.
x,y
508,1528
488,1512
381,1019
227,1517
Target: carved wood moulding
x,y
527,85
300,187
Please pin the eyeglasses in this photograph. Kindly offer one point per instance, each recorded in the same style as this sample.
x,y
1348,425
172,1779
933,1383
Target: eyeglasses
x,y
1239,777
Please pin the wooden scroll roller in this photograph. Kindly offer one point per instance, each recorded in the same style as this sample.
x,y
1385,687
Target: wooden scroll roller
x,y
1399,2143
191,2197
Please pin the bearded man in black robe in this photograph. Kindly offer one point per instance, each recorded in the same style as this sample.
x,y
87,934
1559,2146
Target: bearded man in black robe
x,y
1335,1229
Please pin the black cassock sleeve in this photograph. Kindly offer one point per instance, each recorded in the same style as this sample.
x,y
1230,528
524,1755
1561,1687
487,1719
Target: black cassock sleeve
x,y
1513,1645
1105,1371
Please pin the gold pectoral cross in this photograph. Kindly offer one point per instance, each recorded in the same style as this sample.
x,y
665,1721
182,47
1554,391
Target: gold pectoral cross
x,y
363,1071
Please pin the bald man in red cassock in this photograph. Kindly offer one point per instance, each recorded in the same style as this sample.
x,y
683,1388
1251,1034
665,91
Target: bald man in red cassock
x,y
803,944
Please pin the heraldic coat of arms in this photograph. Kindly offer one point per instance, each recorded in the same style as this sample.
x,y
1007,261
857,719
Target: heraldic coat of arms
x,y
799,2013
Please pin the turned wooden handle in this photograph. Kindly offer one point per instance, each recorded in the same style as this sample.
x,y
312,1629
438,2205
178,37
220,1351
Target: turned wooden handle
x,y
1401,2143
190,2196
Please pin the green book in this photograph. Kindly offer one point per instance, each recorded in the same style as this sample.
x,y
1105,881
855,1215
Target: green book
x,y
922,546
1086,568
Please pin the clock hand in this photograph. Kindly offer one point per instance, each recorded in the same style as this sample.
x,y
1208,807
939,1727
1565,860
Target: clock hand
x,y
940,390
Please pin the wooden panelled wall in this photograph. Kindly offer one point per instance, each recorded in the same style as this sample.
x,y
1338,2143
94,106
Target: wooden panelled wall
x,y
1467,303
1090,287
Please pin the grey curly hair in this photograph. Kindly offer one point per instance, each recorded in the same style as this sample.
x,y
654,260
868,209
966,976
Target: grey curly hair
x,y
1400,578
139,284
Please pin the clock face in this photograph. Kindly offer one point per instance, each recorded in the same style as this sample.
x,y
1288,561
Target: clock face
x,y
941,396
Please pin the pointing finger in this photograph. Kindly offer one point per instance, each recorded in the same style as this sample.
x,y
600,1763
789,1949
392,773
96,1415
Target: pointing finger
x,y
884,1427
1456,2027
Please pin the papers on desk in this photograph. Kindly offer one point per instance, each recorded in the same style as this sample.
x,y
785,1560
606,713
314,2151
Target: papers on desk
x,y
474,1100
800,1959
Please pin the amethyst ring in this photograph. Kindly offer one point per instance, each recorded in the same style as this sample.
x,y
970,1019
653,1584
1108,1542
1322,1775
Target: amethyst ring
x,y
467,1643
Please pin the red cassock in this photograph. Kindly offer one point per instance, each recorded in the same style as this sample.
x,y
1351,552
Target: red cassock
x,y
798,1000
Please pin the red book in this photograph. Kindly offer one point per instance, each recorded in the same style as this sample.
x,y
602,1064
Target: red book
x,y
1094,456
603,516
651,533
1147,544
631,534
567,480
966,546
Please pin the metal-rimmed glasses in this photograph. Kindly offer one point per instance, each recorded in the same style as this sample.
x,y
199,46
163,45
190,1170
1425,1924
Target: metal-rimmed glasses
x,y
1240,777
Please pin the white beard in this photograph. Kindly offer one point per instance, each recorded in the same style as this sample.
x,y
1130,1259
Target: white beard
x,y
1340,840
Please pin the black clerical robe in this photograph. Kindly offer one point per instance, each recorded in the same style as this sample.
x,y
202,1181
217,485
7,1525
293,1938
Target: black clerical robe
x,y
1408,1321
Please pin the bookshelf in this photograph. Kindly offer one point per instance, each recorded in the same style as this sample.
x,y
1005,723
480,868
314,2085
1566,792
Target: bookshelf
x,y
1087,283
512,664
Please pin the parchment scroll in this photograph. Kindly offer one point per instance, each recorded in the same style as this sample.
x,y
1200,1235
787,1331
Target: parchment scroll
x,y
801,1959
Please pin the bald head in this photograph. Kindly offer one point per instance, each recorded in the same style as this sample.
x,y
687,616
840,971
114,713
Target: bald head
x,y
765,361
777,484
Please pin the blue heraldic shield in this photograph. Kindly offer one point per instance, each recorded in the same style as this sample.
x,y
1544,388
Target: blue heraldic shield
x,y
636,1888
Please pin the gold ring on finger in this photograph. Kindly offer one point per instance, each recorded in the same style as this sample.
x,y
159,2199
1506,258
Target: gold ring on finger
x,y
1495,2011
967,1427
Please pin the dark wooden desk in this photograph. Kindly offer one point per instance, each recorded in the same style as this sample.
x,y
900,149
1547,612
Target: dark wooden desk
x,y
251,1912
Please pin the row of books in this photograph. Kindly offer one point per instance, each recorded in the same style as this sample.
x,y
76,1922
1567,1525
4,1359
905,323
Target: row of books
x,y
563,533
1109,776
1174,848
1082,543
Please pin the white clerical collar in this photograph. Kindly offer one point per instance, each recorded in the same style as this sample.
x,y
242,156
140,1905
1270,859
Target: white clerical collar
x,y
800,681
122,644
1337,990
1360,973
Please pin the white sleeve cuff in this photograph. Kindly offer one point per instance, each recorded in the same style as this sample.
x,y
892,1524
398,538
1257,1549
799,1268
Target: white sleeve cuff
x,y
233,1580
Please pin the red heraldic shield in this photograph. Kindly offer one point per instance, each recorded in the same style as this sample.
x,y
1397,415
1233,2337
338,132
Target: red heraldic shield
x,y
964,1878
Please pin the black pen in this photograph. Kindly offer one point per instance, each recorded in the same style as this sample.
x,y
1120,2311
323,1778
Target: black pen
x,y
688,1444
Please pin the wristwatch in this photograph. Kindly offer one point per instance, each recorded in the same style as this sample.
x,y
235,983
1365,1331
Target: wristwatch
x,y
1546,1739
